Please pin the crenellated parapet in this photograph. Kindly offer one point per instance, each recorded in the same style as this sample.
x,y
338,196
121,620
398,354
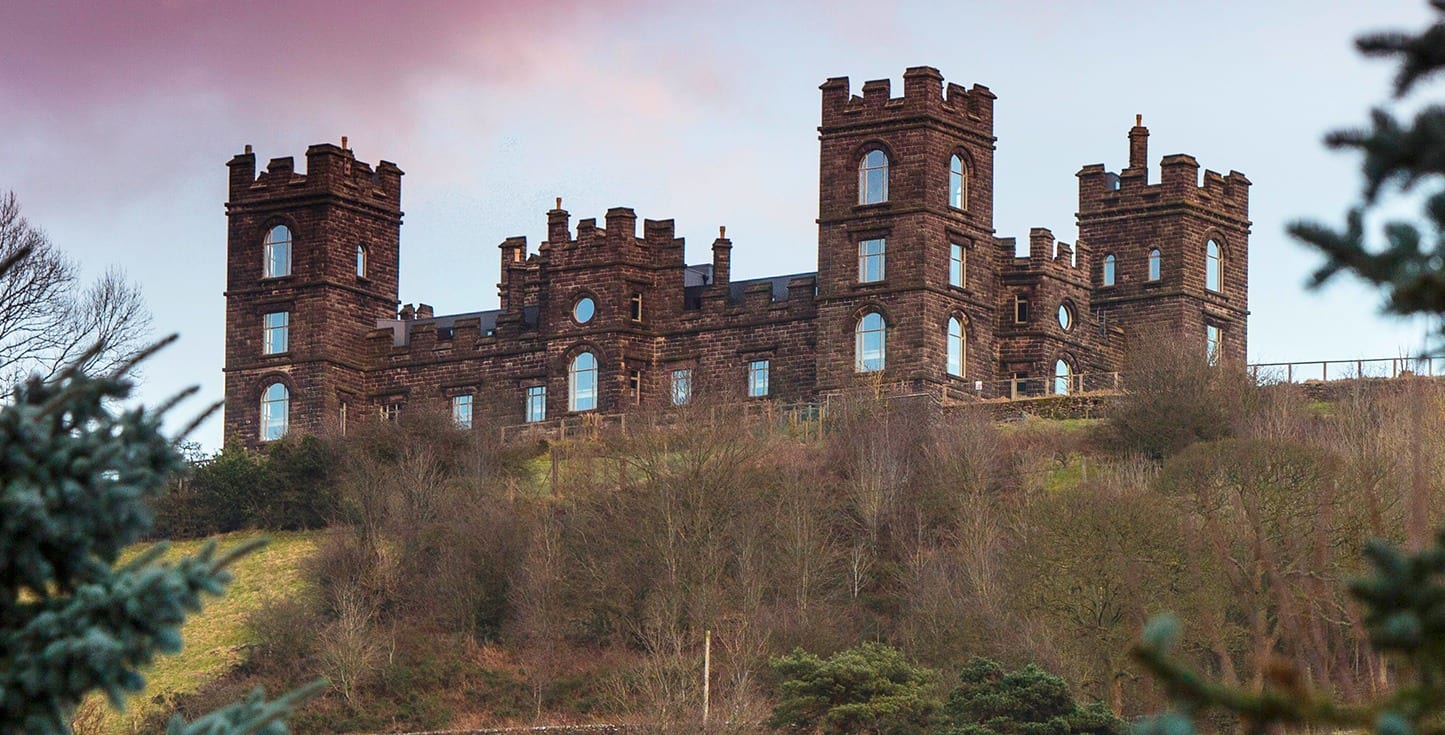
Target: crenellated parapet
x,y
924,94
330,169
1101,191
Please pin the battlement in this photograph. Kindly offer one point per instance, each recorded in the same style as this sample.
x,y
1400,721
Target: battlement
x,y
923,95
1102,190
620,231
330,169
1046,254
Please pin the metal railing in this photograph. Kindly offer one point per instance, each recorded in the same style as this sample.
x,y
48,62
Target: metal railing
x,y
807,416
1045,386
1327,370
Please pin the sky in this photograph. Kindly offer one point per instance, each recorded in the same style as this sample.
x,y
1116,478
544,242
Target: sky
x,y
117,120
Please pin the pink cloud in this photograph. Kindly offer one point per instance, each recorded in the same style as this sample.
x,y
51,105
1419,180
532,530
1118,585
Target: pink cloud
x,y
67,56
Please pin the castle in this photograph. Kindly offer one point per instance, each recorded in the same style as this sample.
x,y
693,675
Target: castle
x,y
912,286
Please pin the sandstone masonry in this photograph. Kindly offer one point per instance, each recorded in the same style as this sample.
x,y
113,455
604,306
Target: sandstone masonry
x,y
912,286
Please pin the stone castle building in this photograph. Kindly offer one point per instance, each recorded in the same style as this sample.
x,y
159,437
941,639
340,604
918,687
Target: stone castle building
x,y
912,286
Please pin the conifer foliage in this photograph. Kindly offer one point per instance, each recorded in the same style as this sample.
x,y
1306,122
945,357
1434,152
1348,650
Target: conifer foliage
x,y
74,475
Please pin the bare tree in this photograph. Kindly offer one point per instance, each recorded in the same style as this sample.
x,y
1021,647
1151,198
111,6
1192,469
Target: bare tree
x,y
48,319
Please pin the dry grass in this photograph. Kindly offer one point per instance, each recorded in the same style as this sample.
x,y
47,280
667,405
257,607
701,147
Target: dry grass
x,y
216,638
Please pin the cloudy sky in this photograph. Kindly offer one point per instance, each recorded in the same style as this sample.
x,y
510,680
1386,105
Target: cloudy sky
x,y
117,119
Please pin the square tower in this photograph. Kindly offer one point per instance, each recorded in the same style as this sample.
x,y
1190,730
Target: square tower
x,y
905,234
1172,256
311,267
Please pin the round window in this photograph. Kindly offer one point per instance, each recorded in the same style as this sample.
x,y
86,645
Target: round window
x,y
584,310
1066,316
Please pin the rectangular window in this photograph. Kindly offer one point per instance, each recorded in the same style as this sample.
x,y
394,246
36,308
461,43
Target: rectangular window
x,y
758,378
462,411
536,403
276,332
681,386
957,266
637,306
870,261
1213,342
391,411
341,418
634,385
1021,310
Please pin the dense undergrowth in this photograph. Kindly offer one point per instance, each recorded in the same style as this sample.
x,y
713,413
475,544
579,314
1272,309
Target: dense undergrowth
x,y
463,582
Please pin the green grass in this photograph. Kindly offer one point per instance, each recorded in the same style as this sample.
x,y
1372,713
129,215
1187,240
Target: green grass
x,y
216,638
1065,476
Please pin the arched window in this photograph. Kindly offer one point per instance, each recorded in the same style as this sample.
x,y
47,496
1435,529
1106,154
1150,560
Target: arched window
x,y
1063,378
957,183
582,383
275,411
1213,266
873,178
277,255
957,348
360,261
1155,264
871,343
1109,269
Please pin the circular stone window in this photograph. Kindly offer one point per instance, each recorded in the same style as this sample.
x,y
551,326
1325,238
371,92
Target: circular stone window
x,y
584,310
1066,316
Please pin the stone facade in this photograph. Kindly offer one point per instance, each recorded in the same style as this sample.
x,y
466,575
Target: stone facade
x,y
909,247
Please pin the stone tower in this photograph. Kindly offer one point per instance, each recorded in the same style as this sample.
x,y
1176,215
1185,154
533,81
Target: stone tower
x,y
1171,255
311,267
905,232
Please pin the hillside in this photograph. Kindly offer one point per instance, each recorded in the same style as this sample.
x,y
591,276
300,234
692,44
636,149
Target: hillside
x,y
216,640
473,583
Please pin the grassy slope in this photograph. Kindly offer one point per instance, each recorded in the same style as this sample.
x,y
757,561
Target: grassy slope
x,y
214,639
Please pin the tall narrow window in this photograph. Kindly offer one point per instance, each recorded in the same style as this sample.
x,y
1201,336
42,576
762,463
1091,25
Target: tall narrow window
x,y
1063,378
870,260
873,178
341,418
582,383
1213,266
462,411
1021,309
957,266
636,306
1109,269
634,385
360,261
275,333
871,343
957,183
536,403
957,347
1213,343
1155,264
681,386
275,411
277,252
757,378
